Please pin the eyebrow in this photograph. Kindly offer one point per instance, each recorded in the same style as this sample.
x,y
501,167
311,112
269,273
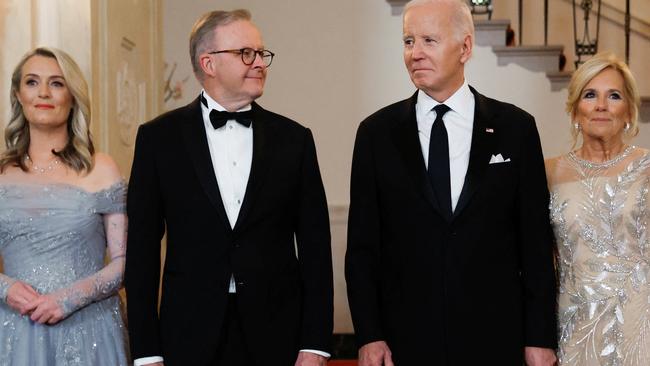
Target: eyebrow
x,y
608,90
50,77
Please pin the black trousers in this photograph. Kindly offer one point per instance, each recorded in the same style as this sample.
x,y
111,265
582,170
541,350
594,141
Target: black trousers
x,y
232,350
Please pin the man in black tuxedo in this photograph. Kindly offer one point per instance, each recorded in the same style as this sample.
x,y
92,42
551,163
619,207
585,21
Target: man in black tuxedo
x,y
449,258
247,278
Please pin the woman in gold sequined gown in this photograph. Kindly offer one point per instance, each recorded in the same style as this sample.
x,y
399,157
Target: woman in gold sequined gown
x,y
600,210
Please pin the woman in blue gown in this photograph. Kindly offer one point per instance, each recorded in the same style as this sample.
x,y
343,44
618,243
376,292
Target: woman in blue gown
x,y
62,225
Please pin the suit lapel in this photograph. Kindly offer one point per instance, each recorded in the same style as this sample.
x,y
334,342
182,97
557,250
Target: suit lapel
x,y
196,143
405,135
484,139
262,149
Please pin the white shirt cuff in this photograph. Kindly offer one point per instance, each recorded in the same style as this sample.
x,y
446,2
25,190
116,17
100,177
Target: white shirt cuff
x,y
320,353
147,360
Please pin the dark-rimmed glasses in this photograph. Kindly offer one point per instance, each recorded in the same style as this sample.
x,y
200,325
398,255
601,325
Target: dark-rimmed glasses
x,y
248,55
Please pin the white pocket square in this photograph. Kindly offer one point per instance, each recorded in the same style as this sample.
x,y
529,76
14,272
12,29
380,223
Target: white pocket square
x,y
498,158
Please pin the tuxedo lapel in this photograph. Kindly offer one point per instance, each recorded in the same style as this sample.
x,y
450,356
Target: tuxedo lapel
x,y
405,135
196,143
262,149
484,137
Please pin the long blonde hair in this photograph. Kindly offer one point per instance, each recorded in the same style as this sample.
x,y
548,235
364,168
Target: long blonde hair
x,y
79,150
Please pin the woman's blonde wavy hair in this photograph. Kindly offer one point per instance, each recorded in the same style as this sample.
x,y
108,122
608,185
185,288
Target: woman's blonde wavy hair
x,y
78,152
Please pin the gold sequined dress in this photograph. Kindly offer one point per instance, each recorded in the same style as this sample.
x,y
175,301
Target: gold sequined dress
x,y
600,215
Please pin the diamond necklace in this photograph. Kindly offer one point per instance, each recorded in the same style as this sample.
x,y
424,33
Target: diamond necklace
x,y
53,165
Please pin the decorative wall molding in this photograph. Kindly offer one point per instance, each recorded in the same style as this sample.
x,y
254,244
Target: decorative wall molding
x,y
127,72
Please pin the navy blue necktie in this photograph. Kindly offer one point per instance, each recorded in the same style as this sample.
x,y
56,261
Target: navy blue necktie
x,y
219,118
439,160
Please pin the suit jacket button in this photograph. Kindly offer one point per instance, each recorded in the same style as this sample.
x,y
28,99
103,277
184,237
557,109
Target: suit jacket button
x,y
236,245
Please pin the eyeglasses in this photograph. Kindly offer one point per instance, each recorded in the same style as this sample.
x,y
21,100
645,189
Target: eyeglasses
x,y
248,55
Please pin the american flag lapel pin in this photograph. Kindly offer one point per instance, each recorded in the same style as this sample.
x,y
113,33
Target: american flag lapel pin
x,y
489,130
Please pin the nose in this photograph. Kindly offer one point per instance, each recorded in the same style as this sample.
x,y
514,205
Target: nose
x,y
601,103
44,90
258,63
416,51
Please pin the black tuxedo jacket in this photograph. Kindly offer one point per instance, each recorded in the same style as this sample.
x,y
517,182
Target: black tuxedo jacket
x,y
470,290
285,300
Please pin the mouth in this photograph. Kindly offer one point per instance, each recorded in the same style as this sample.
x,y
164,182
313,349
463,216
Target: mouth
x,y
44,106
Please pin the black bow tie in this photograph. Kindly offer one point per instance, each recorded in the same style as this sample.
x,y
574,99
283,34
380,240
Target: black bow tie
x,y
219,118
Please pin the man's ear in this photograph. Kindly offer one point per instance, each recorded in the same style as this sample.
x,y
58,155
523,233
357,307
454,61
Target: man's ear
x,y
206,61
466,48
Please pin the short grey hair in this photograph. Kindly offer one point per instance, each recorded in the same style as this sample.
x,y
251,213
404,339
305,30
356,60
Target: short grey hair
x,y
462,15
203,33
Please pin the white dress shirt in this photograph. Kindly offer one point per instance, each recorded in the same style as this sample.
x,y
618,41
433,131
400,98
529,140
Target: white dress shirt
x,y
231,152
459,121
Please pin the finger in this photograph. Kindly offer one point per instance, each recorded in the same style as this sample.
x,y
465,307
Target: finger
x,y
37,314
388,360
30,307
45,317
33,304
53,320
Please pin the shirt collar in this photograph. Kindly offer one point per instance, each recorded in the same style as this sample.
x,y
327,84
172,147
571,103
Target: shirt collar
x,y
460,102
213,104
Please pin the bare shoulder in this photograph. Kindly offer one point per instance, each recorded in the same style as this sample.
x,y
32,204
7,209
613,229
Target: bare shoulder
x,y
104,174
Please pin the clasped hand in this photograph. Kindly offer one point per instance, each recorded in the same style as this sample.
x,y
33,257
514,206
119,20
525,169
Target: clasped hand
x,y
41,309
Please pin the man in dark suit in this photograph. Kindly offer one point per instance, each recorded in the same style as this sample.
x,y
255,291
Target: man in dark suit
x,y
233,185
449,258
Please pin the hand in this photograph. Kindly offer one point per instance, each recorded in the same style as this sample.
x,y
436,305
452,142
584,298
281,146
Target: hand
x,y
155,364
310,359
536,356
375,354
19,295
45,309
